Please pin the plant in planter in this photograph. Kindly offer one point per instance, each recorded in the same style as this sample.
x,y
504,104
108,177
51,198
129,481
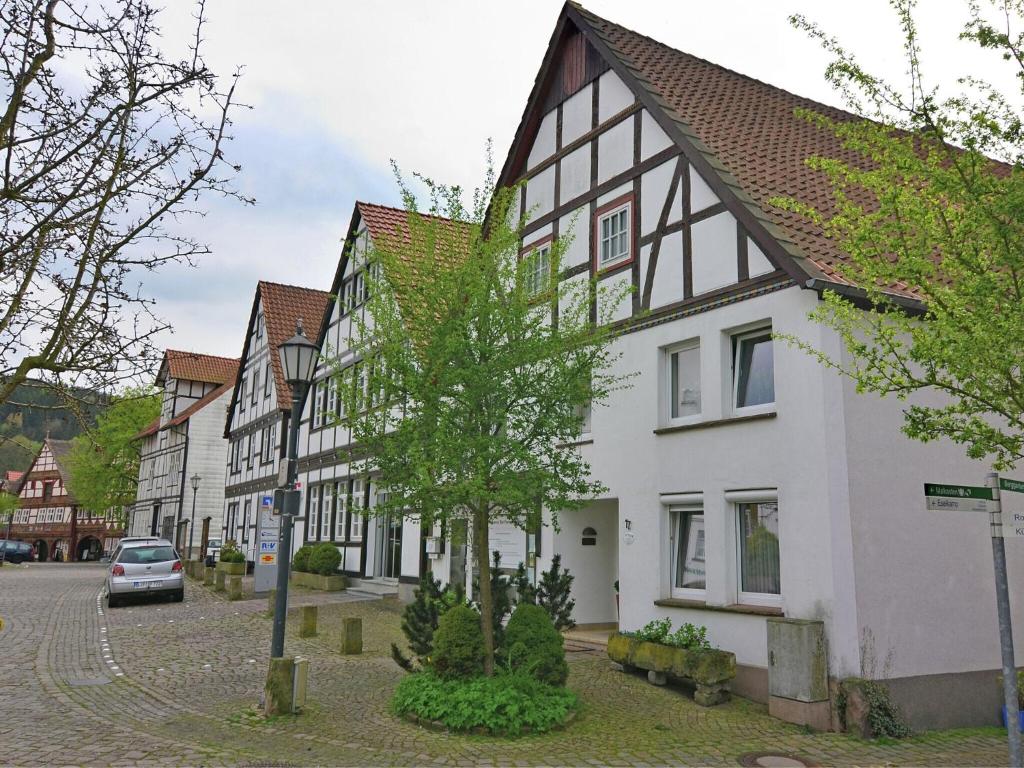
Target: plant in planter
x,y
232,559
685,654
300,560
324,559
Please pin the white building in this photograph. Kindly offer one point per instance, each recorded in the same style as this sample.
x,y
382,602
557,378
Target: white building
x,y
257,421
187,440
745,481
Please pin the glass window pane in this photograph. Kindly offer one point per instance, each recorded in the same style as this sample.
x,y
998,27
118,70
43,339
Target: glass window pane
x,y
759,548
685,382
689,555
755,363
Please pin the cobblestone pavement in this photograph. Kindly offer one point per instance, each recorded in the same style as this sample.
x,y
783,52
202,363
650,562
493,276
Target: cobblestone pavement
x,y
176,684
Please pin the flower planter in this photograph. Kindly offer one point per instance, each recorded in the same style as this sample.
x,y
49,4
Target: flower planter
x,y
316,581
231,569
1020,719
711,670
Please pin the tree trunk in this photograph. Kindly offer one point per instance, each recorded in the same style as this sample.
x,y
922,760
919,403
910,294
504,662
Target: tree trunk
x,y
483,557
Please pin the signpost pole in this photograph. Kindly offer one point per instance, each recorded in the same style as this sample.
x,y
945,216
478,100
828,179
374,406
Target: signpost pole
x,y
1005,626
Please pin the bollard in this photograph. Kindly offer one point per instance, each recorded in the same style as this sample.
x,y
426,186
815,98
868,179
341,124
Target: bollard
x,y
271,600
308,626
235,588
351,636
278,692
208,576
219,581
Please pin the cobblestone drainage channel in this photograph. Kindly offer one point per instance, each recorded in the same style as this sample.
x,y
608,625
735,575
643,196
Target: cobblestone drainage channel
x,y
774,760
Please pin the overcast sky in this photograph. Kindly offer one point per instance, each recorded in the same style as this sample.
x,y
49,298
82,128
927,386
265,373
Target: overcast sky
x,y
338,89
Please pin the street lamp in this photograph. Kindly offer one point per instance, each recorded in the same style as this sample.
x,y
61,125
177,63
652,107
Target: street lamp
x,y
298,358
192,525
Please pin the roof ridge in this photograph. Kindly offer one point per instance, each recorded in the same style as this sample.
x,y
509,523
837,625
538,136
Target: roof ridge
x,y
591,15
290,285
407,211
201,354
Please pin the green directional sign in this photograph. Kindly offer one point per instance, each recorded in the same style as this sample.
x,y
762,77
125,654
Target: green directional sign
x,y
1014,486
943,497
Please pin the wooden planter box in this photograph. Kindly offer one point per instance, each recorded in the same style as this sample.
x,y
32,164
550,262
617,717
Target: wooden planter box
x,y
316,581
711,670
231,569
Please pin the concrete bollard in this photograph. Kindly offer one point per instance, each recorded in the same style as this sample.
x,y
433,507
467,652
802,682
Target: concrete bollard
x,y
219,581
278,692
235,588
271,600
308,626
208,576
351,636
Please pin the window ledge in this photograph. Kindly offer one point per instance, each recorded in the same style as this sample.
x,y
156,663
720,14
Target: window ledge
x,y
700,605
715,423
581,441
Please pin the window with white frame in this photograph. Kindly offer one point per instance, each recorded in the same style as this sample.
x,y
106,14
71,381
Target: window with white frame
x,y
241,398
753,369
313,513
267,378
326,499
585,413
358,501
246,517
683,380
689,574
757,534
236,457
340,507
268,444
261,437
332,399
319,391
613,236
255,387
259,325
537,270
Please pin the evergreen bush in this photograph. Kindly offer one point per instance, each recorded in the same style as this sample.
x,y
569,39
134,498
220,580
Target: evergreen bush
x,y
553,594
534,647
300,561
420,619
324,558
459,644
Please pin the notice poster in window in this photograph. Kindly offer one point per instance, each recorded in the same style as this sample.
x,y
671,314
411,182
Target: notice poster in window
x,y
510,542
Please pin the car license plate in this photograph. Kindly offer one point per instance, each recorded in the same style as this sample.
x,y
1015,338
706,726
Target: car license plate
x,y
147,584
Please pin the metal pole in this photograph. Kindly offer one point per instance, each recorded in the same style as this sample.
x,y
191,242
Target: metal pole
x,y
7,537
1005,625
192,522
288,513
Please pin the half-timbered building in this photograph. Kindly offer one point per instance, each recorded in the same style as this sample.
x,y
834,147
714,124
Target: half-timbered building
x,y
258,415
745,481
186,441
49,517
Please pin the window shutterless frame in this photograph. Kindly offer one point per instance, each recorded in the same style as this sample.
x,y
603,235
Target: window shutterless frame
x,y
613,234
753,372
758,554
688,551
674,408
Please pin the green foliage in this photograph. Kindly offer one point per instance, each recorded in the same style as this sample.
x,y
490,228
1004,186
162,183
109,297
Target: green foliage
x,y
230,553
16,450
884,717
553,594
420,620
501,601
300,560
506,704
104,461
689,636
1020,688
534,647
917,202
489,388
459,644
324,558
525,591
8,503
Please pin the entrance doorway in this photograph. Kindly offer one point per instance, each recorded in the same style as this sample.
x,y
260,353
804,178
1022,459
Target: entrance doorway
x,y
42,551
89,548
388,549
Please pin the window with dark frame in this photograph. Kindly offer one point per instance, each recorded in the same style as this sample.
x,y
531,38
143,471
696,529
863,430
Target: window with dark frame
x,y
753,369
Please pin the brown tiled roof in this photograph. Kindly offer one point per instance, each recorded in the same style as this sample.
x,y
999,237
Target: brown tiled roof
x,y
283,306
389,227
193,366
744,129
199,404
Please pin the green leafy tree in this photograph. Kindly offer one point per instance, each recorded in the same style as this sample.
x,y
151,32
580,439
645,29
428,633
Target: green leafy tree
x,y
468,396
933,235
8,504
104,461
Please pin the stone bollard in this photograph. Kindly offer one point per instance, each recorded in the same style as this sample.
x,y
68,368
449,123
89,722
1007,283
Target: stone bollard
x,y
235,588
208,576
278,691
271,600
308,626
351,636
219,581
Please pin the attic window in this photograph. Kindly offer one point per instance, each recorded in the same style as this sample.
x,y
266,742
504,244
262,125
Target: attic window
x,y
589,537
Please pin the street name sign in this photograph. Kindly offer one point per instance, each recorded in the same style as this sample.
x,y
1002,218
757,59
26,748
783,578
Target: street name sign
x,y
944,497
1013,506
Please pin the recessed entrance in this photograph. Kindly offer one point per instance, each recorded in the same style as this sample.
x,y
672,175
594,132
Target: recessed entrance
x,y
89,548
42,551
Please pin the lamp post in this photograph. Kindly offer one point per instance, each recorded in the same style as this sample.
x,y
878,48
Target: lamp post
x,y
192,523
298,359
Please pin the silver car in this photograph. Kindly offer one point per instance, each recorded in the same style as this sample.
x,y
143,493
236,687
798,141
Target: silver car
x,y
145,567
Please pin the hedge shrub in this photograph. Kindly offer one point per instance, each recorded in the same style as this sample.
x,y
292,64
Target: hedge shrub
x,y
230,553
300,562
503,704
534,647
459,644
324,558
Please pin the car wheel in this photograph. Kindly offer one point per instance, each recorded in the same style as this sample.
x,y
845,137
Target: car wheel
x,y
178,596
113,601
